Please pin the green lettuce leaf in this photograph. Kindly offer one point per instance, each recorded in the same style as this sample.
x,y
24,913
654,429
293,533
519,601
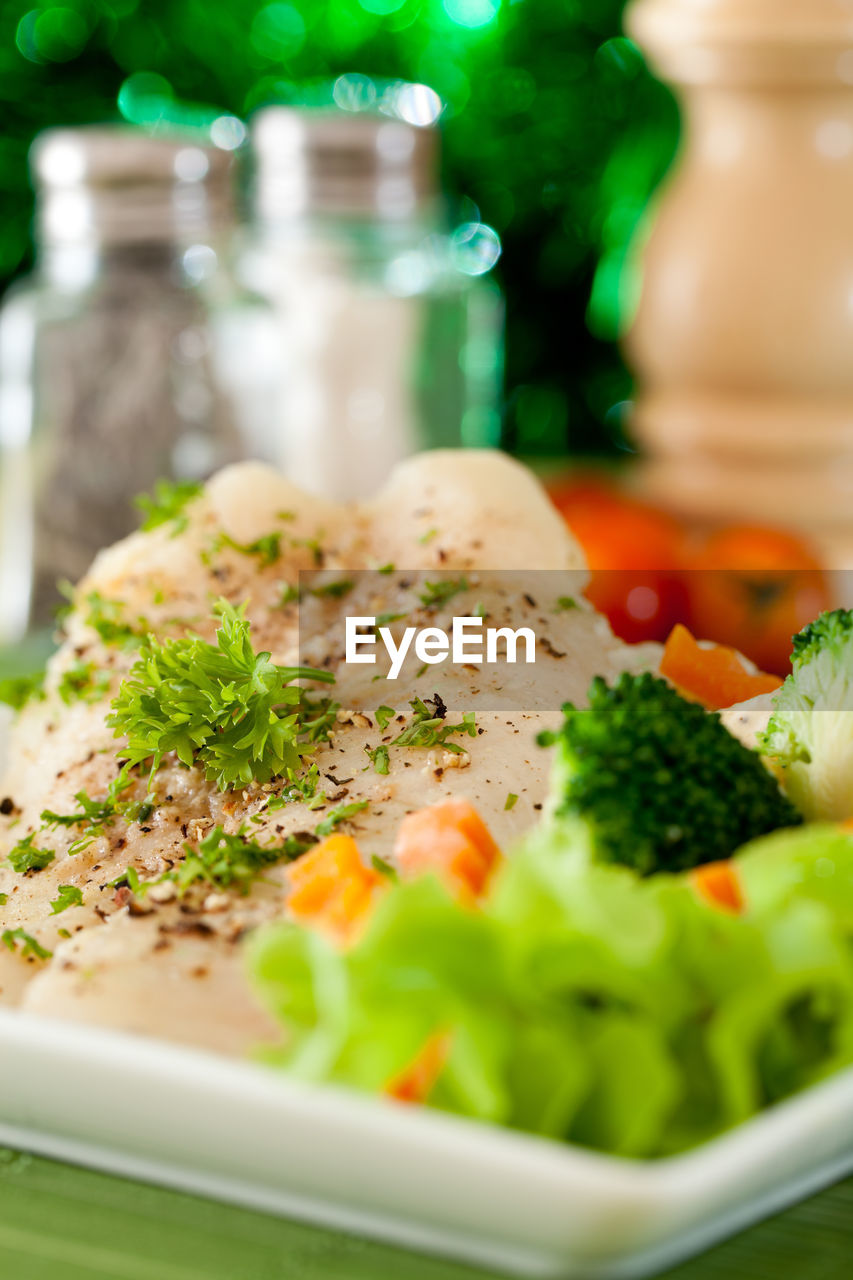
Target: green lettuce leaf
x,y
582,1002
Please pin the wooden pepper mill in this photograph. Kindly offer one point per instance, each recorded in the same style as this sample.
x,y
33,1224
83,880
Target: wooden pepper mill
x,y
743,340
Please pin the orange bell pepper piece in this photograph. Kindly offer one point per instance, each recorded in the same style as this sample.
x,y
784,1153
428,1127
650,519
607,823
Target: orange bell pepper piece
x,y
415,1083
451,839
331,888
716,676
718,883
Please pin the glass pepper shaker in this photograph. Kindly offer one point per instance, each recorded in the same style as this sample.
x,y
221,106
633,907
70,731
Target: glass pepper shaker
x,y
112,366
389,326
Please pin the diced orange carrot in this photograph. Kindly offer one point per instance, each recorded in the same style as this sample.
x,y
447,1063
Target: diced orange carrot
x,y
415,1083
451,839
332,889
716,676
718,883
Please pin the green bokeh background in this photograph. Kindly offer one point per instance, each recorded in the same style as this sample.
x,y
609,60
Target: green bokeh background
x,y
553,128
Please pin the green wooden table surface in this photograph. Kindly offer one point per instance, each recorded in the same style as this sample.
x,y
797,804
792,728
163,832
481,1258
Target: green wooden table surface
x,y
59,1222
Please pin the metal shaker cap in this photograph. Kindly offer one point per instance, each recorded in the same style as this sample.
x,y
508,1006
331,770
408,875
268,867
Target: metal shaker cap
x,y
342,164
122,185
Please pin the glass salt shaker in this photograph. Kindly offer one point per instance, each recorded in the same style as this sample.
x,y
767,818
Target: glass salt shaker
x,y
389,326
115,356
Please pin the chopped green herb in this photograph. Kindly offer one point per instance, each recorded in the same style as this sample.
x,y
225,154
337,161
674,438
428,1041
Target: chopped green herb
x,y
421,671
17,691
301,789
26,857
511,801
96,815
312,545
230,711
328,590
91,813
479,610
68,895
286,516
168,503
384,868
29,947
384,716
427,537
335,590
106,617
383,619
385,568
438,593
379,758
427,730
266,548
339,815
129,878
83,682
564,603
225,860
4,897
319,716
63,933
69,593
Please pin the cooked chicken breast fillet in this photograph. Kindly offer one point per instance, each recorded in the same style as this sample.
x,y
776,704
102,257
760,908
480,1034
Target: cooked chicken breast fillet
x,y
169,965
749,720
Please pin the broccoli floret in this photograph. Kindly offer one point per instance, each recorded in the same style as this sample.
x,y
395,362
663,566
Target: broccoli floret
x,y
810,733
658,782
830,630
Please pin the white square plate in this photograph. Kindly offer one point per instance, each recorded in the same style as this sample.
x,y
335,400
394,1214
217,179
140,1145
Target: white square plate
x,y
235,1131
240,1132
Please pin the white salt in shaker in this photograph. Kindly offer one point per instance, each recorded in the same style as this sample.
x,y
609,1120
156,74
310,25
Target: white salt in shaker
x,y
389,327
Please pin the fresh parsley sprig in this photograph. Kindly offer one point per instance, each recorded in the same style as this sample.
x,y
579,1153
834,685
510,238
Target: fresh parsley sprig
x,y
232,712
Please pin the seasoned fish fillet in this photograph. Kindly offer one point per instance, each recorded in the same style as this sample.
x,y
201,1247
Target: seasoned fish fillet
x,y
169,964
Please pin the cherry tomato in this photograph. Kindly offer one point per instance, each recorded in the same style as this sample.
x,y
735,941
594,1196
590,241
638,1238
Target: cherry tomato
x,y
635,554
617,531
639,604
754,588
